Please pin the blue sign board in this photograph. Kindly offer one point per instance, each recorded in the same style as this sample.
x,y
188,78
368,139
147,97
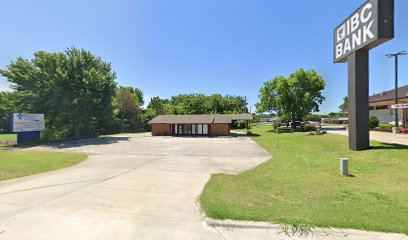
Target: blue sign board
x,y
27,126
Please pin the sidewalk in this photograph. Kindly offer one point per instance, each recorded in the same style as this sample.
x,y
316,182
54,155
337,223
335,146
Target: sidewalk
x,y
384,137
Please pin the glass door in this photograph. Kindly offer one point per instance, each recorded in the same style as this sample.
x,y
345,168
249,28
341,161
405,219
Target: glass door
x,y
205,129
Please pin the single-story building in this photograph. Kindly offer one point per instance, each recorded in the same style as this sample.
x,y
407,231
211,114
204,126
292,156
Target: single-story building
x,y
211,124
380,105
339,120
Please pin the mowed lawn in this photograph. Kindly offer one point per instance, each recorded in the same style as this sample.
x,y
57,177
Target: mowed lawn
x,y
15,164
5,138
301,183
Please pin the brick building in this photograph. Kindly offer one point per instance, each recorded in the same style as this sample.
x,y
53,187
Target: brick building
x,y
210,125
380,105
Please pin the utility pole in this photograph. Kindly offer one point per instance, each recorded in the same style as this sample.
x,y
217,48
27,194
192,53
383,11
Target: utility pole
x,y
395,56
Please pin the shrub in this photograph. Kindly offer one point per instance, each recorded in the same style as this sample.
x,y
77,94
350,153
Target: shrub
x,y
239,124
313,117
385,126
308,127
276,124
373,122
284,130
257,118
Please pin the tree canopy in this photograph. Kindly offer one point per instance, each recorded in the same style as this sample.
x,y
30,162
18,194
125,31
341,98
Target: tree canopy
x,y
78,93
11,102
344,106
136,92
73,88
198,104
128,111
292,97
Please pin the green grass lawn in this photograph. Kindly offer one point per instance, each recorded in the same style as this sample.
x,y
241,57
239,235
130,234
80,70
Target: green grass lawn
x,y
8,138
15,164
301,183
239,130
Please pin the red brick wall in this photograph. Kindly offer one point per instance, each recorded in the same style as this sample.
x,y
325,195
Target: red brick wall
x,y
221,129
160,129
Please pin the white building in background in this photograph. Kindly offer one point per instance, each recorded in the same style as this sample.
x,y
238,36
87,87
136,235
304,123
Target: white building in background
x,y
380,105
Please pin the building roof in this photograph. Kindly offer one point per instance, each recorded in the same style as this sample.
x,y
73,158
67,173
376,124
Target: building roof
x,y
197,119
389,95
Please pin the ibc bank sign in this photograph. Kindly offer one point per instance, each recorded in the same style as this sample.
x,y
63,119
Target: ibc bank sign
x,y
369,26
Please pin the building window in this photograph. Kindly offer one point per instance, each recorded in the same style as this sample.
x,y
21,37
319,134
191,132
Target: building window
x,y
381,107
205,129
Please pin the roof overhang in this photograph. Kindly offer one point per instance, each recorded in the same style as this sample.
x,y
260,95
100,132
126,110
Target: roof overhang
x,y
200,119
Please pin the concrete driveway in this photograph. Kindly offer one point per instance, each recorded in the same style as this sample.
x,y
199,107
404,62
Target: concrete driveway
x,y
132,186
384,137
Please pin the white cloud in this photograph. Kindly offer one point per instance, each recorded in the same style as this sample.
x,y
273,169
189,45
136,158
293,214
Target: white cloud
x,y
4,85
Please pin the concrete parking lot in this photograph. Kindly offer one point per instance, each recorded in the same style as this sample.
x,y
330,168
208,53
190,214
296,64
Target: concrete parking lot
x,y
136,186
132,186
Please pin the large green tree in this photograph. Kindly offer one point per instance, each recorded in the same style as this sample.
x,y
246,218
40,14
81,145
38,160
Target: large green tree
x,y
11,102
292,97
344,106
74,89
128,111
194,104
158,105
136,92
207,104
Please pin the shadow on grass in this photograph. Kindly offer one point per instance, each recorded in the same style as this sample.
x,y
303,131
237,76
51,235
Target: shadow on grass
x,y
334,129
389,146
280,131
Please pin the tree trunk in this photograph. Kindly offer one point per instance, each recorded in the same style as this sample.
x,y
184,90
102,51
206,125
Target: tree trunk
x,y
294,123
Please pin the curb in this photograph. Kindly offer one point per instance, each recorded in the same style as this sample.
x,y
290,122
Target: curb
x,y
334,232
240,224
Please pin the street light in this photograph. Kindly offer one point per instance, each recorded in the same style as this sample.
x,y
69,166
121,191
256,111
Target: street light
x,y
395,56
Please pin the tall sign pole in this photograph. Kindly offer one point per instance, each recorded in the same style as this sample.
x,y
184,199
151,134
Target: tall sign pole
x,y
368,27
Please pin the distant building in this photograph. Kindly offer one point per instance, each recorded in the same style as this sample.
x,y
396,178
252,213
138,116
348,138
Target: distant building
x,y
210,125
339,120
380,105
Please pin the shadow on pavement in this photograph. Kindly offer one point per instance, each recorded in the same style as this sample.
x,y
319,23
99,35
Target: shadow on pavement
x,y
88,142
237,134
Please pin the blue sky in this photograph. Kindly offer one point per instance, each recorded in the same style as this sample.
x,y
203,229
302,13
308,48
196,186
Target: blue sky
x,y
207,46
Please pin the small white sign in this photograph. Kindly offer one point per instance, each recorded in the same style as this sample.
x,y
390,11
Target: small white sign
x,y
23,122
399,106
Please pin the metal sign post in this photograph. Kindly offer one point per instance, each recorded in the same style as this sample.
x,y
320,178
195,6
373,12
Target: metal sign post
x,y
369,26
358,108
